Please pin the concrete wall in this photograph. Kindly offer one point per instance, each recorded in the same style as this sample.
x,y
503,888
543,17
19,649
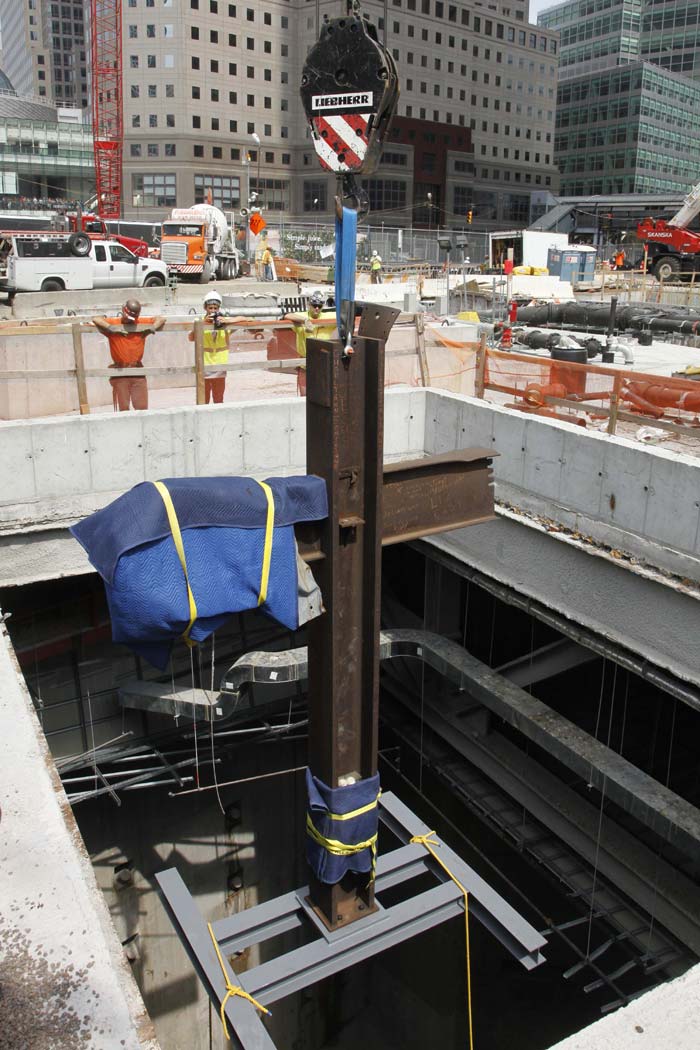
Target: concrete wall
x,y
636,499
57,470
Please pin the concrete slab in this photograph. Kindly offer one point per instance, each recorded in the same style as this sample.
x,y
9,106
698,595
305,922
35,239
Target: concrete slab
x,y
664,1017
65,980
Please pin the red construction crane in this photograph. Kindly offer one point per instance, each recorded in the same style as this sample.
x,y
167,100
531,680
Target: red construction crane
x,y
107,120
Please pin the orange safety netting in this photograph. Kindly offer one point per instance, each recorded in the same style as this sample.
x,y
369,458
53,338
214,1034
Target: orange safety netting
x,y
540,384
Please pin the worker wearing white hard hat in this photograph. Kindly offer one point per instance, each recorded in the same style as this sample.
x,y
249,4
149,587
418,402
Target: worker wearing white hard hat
x,y
217,338
375,268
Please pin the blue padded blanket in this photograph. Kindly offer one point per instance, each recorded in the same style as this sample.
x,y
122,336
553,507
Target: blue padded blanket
x,y
326,806
222,521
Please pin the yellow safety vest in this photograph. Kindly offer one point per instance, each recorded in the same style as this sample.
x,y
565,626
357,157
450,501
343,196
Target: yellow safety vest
x,y
320,331
215,348
376,264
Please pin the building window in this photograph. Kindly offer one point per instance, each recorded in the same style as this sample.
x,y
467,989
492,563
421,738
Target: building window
x,y
153,120
134,61
196,122
170,120
194,32
153,150
196,93
135,149
274,193
385,194
225,190
136,121
216,152
135,91
315,196
151,61
286,158
199,151
170,149
155,191
152,90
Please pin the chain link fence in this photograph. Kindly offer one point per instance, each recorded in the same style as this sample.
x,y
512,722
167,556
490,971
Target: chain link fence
x,y
315,243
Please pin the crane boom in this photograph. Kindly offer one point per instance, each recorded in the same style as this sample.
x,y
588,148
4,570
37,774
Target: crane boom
x,y
107,118
688,210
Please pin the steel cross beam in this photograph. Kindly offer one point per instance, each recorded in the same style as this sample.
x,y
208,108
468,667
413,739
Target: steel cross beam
x,y
332,951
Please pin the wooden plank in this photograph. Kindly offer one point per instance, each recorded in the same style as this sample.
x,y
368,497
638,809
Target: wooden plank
x,y
80,371
420,346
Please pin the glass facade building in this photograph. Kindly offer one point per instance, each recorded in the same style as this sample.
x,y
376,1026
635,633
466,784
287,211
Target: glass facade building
x,y
632,129
628,106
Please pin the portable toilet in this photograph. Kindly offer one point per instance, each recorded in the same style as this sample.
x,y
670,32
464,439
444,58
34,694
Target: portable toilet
x,y
576,265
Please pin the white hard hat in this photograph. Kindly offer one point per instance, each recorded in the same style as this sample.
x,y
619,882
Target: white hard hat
x,y
374,253
212,297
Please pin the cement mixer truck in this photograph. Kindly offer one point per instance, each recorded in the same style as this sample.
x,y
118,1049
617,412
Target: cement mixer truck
x,y
197,243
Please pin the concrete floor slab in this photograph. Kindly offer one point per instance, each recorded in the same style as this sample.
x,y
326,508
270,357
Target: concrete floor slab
x,y
66,984
664,1018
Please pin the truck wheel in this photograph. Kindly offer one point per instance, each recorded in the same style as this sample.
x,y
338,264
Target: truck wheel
x,y
205,276
666,267
52,284
79,244
154,280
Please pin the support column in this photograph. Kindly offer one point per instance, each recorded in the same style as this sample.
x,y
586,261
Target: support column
x,y
345,428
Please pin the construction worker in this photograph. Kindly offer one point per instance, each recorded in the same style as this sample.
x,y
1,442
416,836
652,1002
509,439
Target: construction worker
x,y
316,323
267,264
375,268
217,338
619,258
127,335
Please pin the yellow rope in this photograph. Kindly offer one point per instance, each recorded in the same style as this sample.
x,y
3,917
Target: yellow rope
x,y
269,532
179,547
429,842
231,989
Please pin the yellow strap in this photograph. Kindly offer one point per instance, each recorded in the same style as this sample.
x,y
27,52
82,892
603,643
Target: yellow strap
x,y
343,849
267,551
177,538
354,812
429,842
231,989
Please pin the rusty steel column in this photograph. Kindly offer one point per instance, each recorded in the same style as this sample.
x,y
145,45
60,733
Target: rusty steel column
x,y
344,445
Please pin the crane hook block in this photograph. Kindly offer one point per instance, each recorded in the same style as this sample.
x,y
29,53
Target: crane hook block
x,y
349,90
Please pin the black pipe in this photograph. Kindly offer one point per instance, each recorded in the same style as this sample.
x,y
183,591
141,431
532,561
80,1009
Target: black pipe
x,y
603,317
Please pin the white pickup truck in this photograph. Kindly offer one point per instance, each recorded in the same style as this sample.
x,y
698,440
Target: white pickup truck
x,y
49,262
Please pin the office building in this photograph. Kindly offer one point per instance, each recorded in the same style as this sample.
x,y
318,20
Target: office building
x,y
624,124
202,89
44,49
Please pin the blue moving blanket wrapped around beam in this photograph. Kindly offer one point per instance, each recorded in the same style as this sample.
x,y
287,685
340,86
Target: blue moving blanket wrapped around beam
x,y
341,827
223,524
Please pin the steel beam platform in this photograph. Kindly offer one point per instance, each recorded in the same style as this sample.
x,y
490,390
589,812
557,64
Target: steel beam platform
x,y
333,951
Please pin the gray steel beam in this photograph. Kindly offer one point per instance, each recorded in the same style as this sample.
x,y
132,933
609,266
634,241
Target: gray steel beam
x,y
335,950
248,1030
637,871
650,802
546,662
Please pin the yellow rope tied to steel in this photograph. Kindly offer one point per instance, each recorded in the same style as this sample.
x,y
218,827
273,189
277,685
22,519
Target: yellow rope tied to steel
x,y
231,989
429,842
179,547
344,849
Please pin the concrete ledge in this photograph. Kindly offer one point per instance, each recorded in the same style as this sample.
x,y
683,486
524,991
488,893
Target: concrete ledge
x,y
663,1018
63,970
638,499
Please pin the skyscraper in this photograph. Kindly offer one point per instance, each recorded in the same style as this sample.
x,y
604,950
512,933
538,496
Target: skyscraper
x,y
44,49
